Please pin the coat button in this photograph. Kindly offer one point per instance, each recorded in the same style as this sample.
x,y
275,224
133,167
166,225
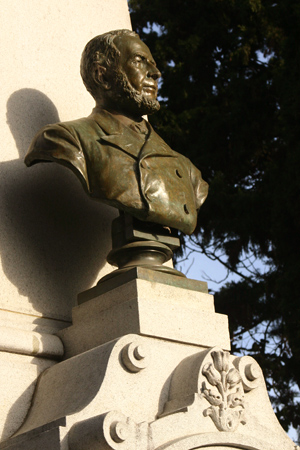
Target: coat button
x,y
178,173
186,209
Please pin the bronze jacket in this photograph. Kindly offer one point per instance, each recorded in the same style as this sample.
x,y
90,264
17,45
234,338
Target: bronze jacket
x,y
118,167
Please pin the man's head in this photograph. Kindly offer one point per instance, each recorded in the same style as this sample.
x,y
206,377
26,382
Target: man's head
x,y
118,70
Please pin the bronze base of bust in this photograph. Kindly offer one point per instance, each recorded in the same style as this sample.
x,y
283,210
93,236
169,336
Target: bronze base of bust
x,y
141,244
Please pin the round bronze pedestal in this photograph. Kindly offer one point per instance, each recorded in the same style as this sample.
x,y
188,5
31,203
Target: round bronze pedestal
x,y
148,254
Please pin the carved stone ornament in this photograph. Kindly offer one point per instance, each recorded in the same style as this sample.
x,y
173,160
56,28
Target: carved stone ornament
x,y
226,395
135,356
217,386
109,431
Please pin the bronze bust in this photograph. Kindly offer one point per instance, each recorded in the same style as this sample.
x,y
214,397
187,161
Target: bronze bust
x,y
115,153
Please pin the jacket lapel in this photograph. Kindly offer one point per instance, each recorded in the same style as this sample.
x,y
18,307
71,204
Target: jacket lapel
x,y
117,134
155,145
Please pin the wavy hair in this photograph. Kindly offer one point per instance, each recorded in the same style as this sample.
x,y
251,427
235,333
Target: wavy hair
x,y
101,50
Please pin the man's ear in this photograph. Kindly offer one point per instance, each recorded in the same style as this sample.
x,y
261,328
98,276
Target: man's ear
x,y
100,76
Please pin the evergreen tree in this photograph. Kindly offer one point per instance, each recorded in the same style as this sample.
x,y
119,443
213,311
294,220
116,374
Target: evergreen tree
x,y
230,94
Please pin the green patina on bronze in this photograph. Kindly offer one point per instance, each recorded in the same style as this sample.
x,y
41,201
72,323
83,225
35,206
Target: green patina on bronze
x,y
115,153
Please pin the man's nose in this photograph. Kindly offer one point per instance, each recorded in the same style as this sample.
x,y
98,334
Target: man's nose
x,y
153,72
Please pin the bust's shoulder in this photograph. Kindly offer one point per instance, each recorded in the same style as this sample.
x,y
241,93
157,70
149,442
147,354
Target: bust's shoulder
x,y
85,124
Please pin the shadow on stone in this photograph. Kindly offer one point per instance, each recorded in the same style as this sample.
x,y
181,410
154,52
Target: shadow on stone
x,y
53,238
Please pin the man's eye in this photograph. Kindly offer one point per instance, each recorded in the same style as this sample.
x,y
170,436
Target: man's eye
x,y
138,59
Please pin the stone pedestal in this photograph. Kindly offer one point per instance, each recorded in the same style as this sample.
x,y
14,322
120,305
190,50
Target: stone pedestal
x,y
147,367
148,303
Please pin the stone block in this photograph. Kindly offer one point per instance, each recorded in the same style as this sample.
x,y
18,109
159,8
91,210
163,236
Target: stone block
x,y
147,308
18,375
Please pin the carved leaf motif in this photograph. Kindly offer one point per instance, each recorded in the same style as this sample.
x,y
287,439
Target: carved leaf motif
x,y
236,399
233,377
211,374
214,399
221,361
220,375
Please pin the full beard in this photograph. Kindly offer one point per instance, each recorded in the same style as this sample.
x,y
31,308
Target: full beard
x,y
130,98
